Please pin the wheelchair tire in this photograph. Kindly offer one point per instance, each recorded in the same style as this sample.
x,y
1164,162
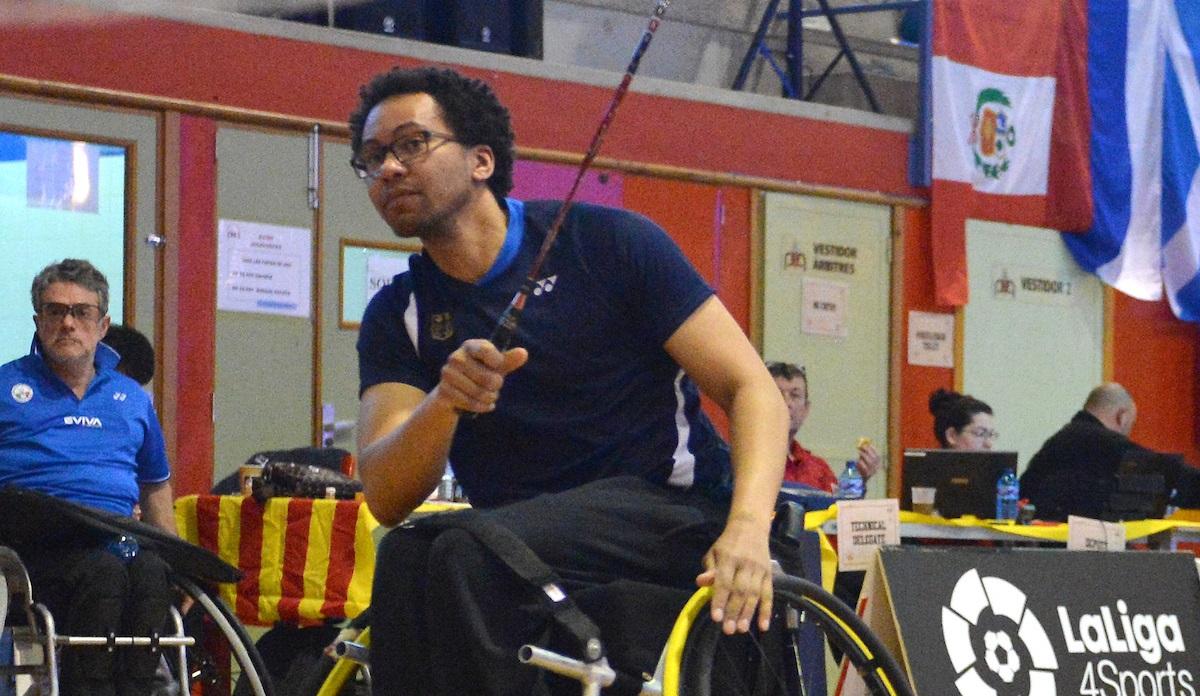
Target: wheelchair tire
x,y
241,645
712,663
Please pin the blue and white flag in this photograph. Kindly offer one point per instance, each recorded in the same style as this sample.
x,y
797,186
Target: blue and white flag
x,y
1145,119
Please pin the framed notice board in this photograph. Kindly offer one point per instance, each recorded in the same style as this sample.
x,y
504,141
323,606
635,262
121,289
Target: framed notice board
x,y
366,267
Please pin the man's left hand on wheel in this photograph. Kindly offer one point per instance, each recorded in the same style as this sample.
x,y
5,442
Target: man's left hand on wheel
x,y
738,568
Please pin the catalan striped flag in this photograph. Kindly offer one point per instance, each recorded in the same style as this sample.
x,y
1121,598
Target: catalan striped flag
x,y
304,560
1145,119
1009,123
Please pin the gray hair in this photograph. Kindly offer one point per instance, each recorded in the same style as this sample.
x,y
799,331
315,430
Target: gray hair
x,y
75,271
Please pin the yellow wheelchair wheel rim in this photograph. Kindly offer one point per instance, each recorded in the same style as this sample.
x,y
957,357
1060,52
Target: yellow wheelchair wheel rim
x,y
678,637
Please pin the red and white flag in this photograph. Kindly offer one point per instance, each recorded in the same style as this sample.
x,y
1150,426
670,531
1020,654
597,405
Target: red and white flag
x,y
1010,123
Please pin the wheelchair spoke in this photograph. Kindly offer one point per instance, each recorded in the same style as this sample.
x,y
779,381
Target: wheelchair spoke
x,y
746,667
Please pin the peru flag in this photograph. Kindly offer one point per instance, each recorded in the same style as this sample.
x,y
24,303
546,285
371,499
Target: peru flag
x,y
1010,123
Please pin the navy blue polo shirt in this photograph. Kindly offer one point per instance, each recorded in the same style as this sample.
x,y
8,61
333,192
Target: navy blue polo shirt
x,y
599,396
95,450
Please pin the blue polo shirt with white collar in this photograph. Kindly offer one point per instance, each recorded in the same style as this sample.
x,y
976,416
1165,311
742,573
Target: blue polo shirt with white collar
x,y
95,450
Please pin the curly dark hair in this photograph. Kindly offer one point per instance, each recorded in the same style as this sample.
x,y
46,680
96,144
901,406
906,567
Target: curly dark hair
x,y
137,355
470,108
953,410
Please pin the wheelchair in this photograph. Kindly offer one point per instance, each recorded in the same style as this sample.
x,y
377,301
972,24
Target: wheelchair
x,y
698,658
201,651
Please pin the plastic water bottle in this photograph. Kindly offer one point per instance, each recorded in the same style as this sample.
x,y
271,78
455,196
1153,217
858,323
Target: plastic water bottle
x,y
446,488
1008,491
850,483
123,547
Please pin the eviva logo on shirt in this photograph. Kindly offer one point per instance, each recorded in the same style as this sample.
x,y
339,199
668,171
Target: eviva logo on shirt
x,y
85,421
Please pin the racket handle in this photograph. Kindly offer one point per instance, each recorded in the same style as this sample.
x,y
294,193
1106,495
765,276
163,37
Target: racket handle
x,y
506,327
502,335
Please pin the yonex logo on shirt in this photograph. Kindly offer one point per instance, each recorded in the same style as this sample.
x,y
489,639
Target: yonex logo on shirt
x,y
545,285
85,421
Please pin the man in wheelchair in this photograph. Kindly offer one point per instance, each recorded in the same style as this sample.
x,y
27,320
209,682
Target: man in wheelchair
x,y
586,441
73,427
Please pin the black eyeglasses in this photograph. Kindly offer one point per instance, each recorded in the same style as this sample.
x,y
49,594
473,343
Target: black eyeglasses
x,y
785,370
407,148
984,433
57,311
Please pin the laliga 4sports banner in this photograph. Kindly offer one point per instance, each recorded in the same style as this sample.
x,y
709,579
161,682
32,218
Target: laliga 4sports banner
x,y
1012,622
1010,123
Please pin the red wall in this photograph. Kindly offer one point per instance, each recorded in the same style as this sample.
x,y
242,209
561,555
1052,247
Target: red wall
x,y
712,226
196,269
918,382
1156,357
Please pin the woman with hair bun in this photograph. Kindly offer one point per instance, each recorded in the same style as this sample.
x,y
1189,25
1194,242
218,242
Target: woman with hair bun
x,y
961,421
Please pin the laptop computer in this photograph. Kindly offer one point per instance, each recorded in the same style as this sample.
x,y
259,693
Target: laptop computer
x,y
965,480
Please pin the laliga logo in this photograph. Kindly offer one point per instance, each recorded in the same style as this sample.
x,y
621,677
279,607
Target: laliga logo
x,y
992,133
989,615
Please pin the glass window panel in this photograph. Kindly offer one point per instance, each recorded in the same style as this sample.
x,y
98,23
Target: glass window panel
x,y
58,199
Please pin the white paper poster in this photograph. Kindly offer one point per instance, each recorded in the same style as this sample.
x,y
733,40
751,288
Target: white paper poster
x,y
930,339
381,268
824,310
1087,534
264,268
862,527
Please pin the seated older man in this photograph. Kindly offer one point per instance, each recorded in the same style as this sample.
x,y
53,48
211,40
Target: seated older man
x,y
73,427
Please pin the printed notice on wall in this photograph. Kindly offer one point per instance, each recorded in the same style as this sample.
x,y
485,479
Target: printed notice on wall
x,y
824,310
863,526
381,268
263,268
930,339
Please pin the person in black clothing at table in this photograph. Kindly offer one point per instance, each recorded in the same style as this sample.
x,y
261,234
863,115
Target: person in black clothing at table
x,y
1074,471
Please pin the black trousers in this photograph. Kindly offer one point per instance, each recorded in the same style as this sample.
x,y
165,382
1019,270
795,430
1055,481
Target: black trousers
x,y
448,617
91,592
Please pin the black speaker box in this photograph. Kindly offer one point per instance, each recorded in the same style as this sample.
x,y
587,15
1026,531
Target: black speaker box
x,y
482,25
527,28
498,26
406,19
